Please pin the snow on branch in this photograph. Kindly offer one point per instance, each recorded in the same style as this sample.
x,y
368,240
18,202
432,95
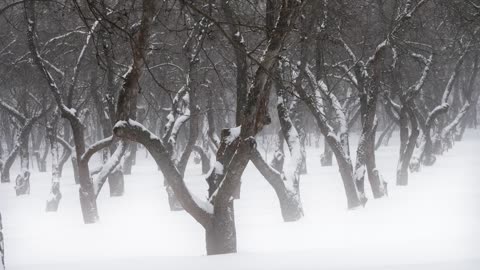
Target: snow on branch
x,y
109,167
440,109
176,104
135,131
94,148
293,142
349,50
12,111
31,41
81,55
415,89
456,121
337,106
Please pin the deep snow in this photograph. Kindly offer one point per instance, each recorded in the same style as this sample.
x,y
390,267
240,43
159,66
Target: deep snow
x,y
434,223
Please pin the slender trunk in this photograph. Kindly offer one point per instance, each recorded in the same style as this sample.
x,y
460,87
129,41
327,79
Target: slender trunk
x,y
290,203
22,182
66,153
326,159
130,159
55,195
407,143
2,246
279,155
204,159
298,118
8,133
376,182
385,135
76,175
42,161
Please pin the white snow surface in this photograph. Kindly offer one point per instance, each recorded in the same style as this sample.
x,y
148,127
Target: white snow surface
x,y
434,223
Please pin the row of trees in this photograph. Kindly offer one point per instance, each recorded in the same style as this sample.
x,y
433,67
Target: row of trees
x,y
206,78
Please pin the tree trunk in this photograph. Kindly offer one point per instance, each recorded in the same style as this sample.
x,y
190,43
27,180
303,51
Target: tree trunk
x,y
88,201
42,161
173,202
66,153
279,155
221,235
385,135
290,203
326,159
22,182
76,176
55,194
2,246
298,118
375,179
130,159
407,143
204,159
116,183
8,165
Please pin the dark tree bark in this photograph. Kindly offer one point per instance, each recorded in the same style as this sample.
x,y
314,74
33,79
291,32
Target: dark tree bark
x,y
241,59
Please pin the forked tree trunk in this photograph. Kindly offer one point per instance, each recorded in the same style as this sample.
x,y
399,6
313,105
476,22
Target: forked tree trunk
x,y
87,197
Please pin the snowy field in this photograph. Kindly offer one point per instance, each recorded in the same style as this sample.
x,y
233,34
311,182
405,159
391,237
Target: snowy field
x,y
434,223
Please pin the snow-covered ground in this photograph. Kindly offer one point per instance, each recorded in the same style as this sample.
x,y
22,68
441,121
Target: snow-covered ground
x,y
434,223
